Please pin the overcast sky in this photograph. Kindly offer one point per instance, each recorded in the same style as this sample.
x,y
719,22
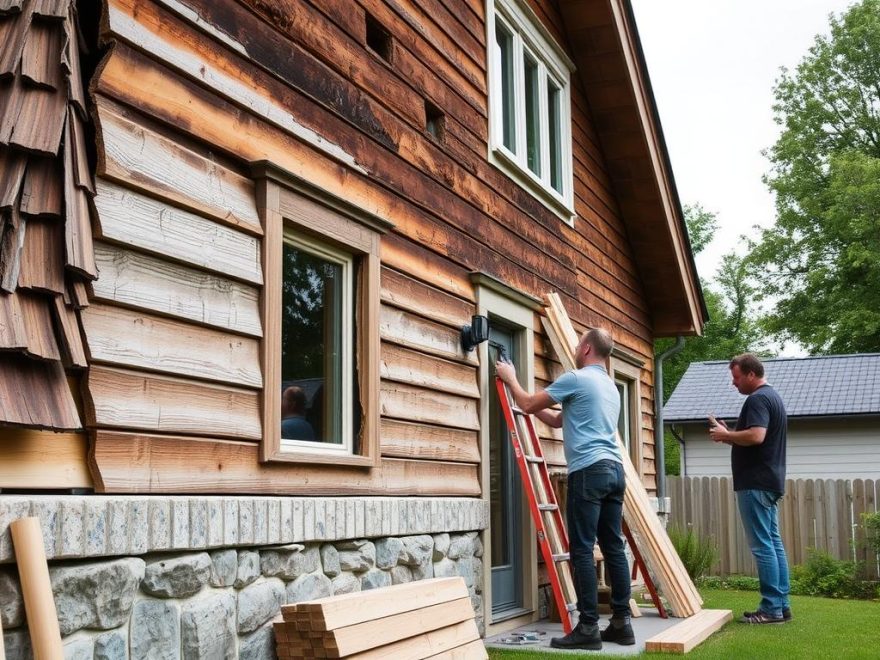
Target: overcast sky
x,y
713,64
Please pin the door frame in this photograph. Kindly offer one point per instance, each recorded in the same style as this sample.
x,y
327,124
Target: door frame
x,y
517,309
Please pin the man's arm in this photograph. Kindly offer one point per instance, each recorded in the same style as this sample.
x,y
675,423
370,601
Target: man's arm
x,y
552,418
745,438
532,404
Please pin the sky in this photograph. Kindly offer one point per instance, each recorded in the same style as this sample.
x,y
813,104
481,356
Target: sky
x,y
713,64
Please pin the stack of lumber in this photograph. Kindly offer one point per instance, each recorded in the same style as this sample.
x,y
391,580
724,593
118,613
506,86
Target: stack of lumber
x,y
684,636
424,619
657,550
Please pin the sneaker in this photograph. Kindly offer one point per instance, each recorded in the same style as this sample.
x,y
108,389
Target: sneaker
x,y
620,632
582,637
786,614
761,617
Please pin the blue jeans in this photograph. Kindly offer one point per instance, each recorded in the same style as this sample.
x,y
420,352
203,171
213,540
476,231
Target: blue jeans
x,y
757,509
595,511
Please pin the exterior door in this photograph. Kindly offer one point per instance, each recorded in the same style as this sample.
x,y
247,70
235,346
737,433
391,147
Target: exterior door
x,y
506,496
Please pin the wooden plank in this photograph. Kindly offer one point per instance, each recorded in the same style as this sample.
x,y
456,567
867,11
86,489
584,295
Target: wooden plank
x,y
685,636
12,164
122,399
137,280
409,440
43,192
475,650
130,218
344,610
68,332
42,256
418,404
417,333
127,338
426,644
13,334
144,463
43,459
424,265
13,33
41,58
420,298
404,365
132,154
13,229
82,170
37,315
360,637
35,393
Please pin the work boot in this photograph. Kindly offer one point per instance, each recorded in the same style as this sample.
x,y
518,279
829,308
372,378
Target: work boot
x,y
786,614
583,636
620,631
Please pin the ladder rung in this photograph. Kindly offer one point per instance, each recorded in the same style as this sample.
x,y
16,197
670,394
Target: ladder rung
x,y
534,459
562,557
547,507
517,410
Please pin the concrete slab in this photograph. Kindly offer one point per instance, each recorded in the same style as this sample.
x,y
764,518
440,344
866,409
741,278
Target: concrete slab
x,y
644,627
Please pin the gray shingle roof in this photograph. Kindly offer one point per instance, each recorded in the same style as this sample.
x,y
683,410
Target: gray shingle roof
x,y
830,385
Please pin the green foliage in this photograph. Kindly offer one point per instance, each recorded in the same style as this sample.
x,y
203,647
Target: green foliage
x,y
735,582
871,521
697,553
701,226
821,259
671,454
823,575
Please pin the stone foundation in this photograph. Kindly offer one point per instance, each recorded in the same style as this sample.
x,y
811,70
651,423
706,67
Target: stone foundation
x,y
218,602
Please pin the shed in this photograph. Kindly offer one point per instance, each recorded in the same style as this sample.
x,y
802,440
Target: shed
x,y
833,405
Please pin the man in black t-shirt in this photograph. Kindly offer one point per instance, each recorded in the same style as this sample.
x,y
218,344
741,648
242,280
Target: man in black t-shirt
x,y
757,459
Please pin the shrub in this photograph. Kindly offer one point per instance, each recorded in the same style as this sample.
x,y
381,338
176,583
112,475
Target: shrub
x,y
698,554
734,582
823,575
871,521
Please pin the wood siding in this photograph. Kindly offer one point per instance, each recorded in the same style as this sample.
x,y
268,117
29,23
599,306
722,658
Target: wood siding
x,y
183,109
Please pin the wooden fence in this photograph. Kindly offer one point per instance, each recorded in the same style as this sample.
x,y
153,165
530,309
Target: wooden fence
x,y
825,514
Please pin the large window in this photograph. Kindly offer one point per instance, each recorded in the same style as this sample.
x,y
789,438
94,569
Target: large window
x,y
320,350
529,119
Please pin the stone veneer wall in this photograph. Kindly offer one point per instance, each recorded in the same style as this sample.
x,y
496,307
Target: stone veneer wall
x,y
197,577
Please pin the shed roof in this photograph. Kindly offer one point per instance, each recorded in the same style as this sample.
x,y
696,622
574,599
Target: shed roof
x,y
826,386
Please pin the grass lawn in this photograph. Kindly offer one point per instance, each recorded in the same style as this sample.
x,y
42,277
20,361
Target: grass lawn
x,y
822,628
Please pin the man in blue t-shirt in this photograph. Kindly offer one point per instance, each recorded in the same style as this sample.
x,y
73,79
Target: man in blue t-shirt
x,y
757,459
590,411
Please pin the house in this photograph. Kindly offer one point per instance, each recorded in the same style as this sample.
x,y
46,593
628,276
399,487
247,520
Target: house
x,y
833,405
241,239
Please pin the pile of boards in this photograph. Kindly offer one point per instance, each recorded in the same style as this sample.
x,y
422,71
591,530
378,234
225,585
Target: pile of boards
x,y
424,619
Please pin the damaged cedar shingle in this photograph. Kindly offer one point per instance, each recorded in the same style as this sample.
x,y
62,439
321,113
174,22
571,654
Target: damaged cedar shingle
x,y
46,250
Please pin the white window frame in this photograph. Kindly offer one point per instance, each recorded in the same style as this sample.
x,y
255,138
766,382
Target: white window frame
x,y
529,35
347,359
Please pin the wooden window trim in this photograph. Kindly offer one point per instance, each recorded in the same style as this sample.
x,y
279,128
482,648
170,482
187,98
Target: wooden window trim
x,y
623,368
287,201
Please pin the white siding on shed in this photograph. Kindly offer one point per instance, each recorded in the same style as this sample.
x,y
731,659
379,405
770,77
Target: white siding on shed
x,y
847,448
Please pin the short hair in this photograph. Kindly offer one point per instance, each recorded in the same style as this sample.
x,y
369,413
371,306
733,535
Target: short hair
x,y
600,340
294,398
748,363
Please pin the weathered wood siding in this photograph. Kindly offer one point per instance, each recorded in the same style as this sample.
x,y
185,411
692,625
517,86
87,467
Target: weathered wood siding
x,y
184,104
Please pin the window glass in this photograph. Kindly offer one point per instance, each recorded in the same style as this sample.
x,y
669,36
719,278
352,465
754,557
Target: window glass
x,y
504,40
315,348
554,120
533,114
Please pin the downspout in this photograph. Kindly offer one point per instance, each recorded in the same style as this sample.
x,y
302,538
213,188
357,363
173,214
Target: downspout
x,y
659,450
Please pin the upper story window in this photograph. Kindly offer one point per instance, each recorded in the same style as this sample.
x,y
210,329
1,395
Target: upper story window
x,y
530,105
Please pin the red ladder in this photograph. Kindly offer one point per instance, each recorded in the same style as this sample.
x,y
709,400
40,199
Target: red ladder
x,y
552,537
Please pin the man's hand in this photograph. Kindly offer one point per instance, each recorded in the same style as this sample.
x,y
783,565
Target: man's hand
x,y
506,372
719,431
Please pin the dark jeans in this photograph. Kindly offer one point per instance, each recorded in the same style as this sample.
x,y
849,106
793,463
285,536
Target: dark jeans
x,y
595,512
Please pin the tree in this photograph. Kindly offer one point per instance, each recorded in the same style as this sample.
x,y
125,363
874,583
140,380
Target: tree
x,y
733,326
820,262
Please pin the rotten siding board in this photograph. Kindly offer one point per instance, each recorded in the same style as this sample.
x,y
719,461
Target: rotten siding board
x,y
41,58
124,399
42,256
131,218
143,463
14,230
43,193
126,338
12,168
37,315
137,280
412,367
417,404
134,155
77,217
417,297
418,333
13,335
67,323
410,440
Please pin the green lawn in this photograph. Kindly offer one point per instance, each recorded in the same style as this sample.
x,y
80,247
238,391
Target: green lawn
x,y
822,628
